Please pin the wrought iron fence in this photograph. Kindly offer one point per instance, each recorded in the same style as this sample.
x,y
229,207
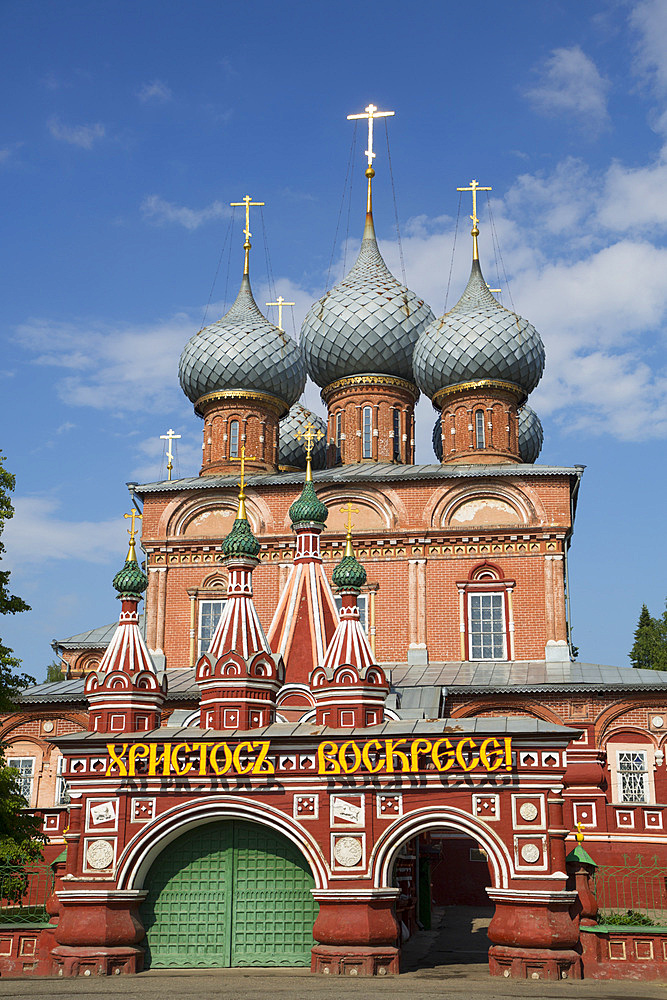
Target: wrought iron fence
x,y
24,890
638,887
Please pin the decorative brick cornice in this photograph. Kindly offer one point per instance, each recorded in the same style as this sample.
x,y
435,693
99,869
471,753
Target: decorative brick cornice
x,y
265,401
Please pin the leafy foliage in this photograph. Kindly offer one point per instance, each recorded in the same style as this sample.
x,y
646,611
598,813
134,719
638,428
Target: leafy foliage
x,y
649,651
19,830
54,672
631,918
10,604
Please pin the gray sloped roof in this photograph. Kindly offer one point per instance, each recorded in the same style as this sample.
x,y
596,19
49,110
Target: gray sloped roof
x,y
529,677
362,472
94,638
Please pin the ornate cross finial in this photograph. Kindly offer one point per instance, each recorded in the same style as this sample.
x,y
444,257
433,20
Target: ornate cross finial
x,y
474,187
247,201
580,833
310,435
242,516
280,302
132,531
169,436
349,510
498,290
371,112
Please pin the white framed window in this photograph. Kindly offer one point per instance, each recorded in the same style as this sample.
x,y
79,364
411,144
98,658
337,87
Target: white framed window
x,y
338,434
234,439
632,774
367,432
26,768
397,434
209,616
487,634
362,604
480,440
62,785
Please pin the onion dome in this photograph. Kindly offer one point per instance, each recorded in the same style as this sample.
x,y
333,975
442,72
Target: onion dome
x,y
349,574
242,351
240,541
478,339
290,451
531,435
130,581
368,323
308,507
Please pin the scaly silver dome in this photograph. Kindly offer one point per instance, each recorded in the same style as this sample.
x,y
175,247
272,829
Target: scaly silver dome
x,y
291,451
478,339
368,323
243,350
531,435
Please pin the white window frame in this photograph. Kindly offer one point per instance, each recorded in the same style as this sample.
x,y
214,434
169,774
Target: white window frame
x,y
367,432
338,434
62,784
362,604
614,758
396,427
204,641
27,776
480,431
234,434
481,594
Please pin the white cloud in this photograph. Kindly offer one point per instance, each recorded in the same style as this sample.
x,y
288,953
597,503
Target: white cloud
x,y
156,90
84,136
37,534
634,197
160,212
649,20
569,83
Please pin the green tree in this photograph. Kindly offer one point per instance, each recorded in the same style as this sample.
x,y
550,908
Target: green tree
x,y
10,682
649,650
54,672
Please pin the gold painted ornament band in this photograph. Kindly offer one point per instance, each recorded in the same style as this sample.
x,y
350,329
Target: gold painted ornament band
x,y
364,381
273,403
484,383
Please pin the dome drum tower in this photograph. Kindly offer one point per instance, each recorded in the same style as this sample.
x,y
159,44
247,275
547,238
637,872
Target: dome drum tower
x,y
371,418
235,418
479,422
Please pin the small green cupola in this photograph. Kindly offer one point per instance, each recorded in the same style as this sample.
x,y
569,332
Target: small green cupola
x,y
130,581
308,508
240,541
349,574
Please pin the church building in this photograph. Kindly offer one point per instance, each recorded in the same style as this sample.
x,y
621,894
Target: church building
x,y
351,694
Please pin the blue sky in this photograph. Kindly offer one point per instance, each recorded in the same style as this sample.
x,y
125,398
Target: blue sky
x,y
128,128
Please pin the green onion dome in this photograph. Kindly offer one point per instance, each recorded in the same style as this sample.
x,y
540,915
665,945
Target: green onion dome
x,y
349,574
240,541
130,581
308,507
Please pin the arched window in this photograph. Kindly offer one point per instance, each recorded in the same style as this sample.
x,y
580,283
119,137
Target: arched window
x,y
338,434
234,439
479,429
487,624
367,433
397,435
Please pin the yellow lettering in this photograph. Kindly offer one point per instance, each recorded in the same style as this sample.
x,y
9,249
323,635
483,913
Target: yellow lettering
x,y
491,748
342,757
326,754
365,756
203,750
116,759
435,754
154,759
174,759
417,747
236,759
263,747
214,758
139,750
460,759
390,749
507,740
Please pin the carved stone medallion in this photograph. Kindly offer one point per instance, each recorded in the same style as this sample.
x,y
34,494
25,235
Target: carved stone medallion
x,y
99,854
347,851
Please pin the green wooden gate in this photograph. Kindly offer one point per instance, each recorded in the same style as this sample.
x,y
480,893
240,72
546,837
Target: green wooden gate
x,y
229,893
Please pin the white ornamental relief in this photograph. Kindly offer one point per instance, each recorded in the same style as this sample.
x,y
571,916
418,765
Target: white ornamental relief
x,y
528,811
530,853
347,851
99,854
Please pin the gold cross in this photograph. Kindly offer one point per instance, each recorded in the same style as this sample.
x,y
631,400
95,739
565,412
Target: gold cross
x,y
493,289
134,514
280,303
371,112
474,187
242,516
350,510
170,436
247,201
310,435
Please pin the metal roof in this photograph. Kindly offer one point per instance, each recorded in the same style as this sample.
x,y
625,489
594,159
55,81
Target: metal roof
x,y
362,472
95,638
468,678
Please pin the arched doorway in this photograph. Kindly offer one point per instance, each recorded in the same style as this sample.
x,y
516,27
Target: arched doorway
x,y
228,893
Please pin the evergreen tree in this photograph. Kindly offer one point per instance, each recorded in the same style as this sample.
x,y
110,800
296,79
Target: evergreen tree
x,y
649,651
10,604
